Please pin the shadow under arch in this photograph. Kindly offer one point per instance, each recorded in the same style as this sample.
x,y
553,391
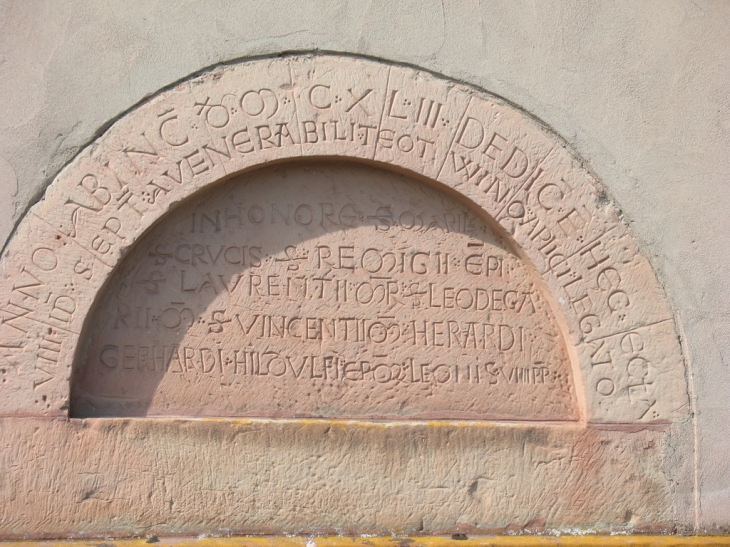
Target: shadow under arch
x,y
172,264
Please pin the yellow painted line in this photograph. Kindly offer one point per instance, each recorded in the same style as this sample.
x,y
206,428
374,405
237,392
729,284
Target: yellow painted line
x,y
389,541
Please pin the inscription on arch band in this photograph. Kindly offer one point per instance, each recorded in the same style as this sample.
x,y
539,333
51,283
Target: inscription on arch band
x,y
604,320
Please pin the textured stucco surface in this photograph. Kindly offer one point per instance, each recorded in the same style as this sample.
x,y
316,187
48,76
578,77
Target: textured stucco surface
x,y
638,89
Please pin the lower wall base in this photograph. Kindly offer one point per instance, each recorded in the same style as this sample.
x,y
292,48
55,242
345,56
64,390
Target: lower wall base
x,y
135,477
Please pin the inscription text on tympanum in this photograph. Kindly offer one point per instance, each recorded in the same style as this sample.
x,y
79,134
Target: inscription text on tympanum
x,y
320,289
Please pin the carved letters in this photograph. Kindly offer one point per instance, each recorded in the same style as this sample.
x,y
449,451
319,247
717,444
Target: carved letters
x,y
376,297
600,298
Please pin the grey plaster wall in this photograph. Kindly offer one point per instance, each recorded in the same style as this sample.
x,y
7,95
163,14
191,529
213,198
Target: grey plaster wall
x,y
640,89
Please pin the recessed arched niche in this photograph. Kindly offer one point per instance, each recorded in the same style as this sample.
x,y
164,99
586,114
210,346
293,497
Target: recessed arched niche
x,y
316,243
324,289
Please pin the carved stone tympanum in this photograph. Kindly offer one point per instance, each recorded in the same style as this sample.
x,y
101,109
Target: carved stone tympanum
x,y
617,330
408,304
335,290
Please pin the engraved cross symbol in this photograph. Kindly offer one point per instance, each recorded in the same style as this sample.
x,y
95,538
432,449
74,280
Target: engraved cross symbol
x,y
358,102
202,107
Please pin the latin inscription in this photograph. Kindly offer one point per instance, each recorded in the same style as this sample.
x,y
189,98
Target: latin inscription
x,y
245,116
375,296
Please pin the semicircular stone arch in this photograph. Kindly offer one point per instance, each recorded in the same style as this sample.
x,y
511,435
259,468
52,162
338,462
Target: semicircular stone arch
x,y
618,329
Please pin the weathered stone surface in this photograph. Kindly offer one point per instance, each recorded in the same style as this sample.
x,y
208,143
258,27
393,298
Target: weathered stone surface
x,y
639,94
180,477
134,223
325,289
620,337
